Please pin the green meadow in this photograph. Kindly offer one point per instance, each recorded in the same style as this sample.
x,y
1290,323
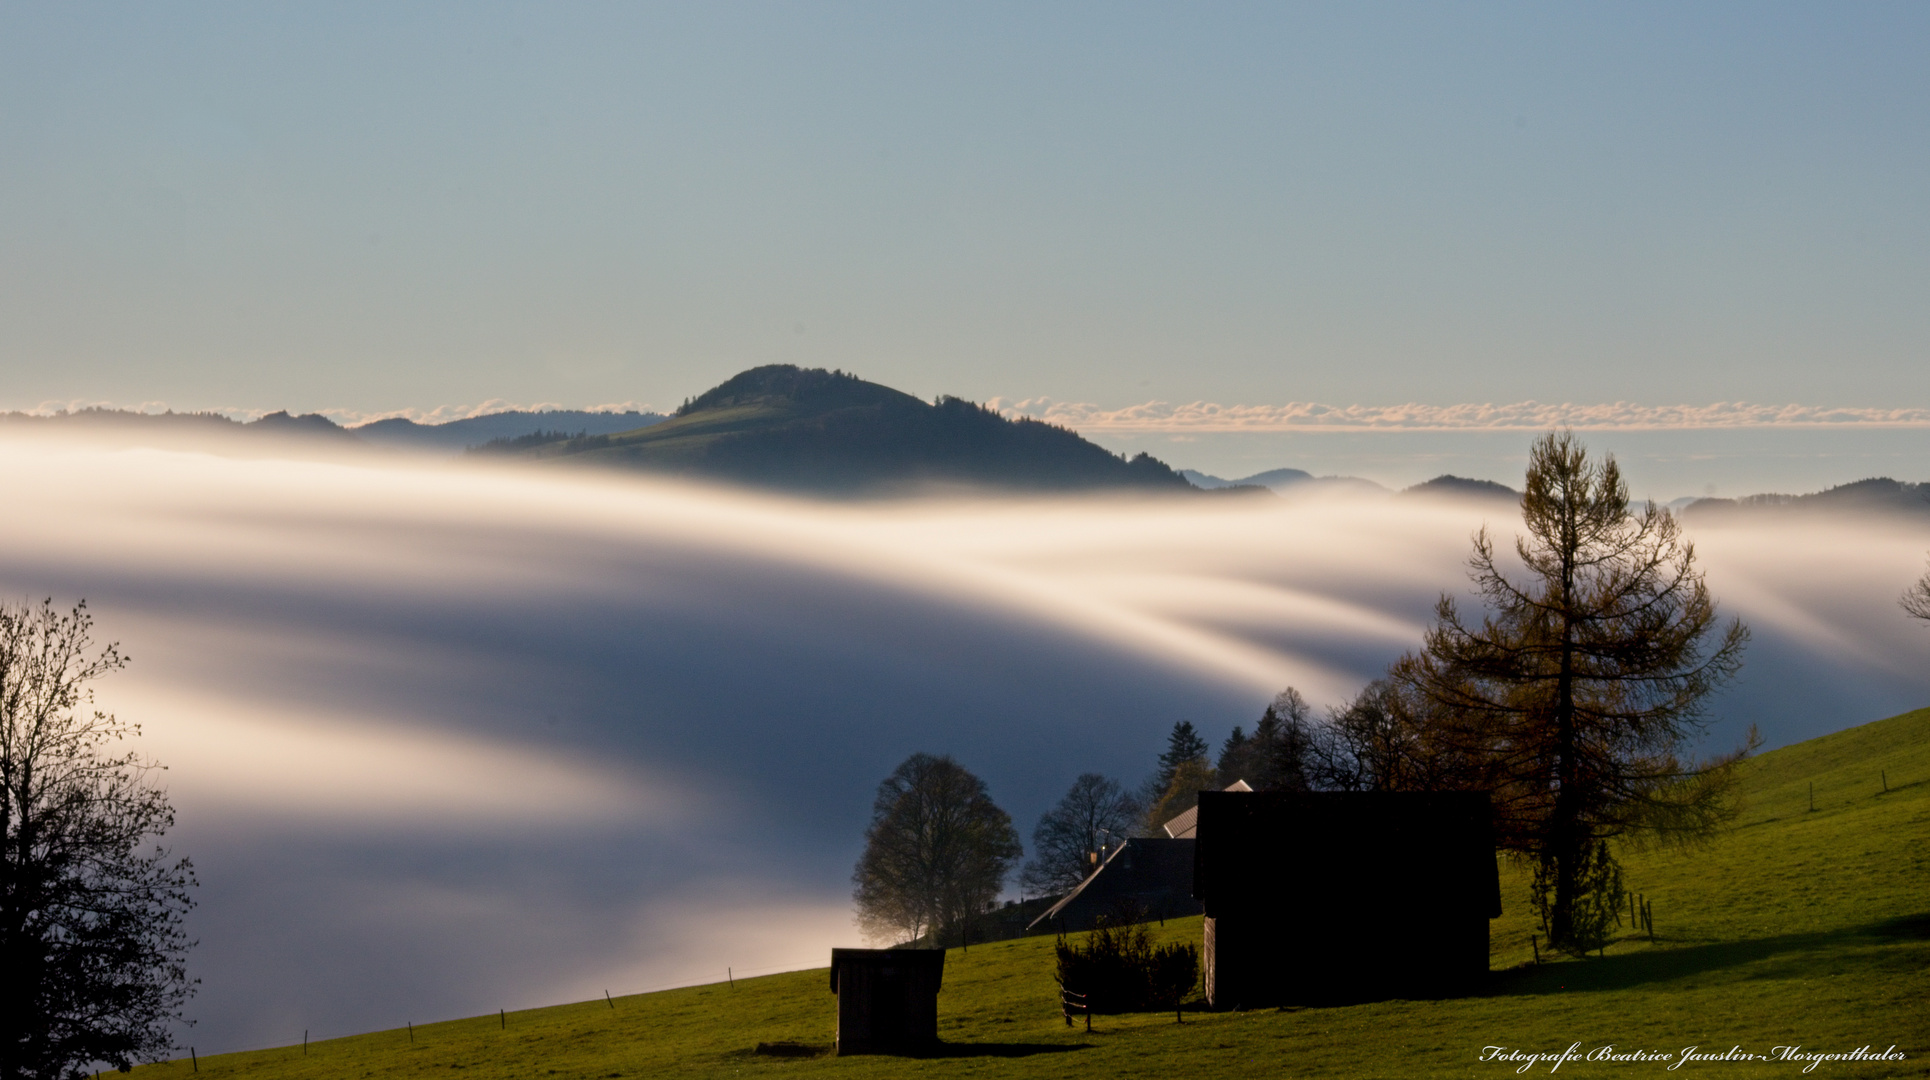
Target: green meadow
x,y
1799,927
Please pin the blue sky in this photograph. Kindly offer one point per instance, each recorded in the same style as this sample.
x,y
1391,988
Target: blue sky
x,y
375,207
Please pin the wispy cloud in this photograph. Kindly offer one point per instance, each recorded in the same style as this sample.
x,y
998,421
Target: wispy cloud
x,y
1203,416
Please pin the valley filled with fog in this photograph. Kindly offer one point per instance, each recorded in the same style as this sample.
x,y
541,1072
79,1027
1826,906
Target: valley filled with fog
x,y
445,739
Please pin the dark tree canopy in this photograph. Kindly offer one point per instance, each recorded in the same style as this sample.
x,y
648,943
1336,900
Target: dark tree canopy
x,y
1278,755
1095,814
1185,768
938,850
1574,697
90,924
1182,746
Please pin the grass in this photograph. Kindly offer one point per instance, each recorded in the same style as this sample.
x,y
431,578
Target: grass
x,y
1796,927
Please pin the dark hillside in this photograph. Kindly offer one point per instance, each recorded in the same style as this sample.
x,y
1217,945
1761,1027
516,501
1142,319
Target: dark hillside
x,y
828,432
1461,486
1880,495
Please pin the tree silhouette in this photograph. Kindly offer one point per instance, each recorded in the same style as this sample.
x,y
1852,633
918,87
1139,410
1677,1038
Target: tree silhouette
x,y
1096,813
1916,599
938,850
90,925
1575,695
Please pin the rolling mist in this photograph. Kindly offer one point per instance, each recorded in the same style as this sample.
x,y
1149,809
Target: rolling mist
x,y
445,739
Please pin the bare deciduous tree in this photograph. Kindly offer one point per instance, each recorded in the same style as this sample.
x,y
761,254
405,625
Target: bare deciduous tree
x,y
938,850
90,924
1916,599
1095,814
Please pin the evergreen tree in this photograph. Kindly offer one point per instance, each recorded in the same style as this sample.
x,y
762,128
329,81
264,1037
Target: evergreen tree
x,y
1277,756
1182,746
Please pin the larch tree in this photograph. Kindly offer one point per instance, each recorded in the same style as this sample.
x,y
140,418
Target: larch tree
x,y
91,911
1576,695
938,850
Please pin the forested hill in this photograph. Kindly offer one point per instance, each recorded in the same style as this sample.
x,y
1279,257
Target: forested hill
x,y
1881,495
807,429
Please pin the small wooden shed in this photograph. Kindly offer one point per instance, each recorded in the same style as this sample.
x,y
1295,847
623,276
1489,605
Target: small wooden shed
x,y
1315,897
887,999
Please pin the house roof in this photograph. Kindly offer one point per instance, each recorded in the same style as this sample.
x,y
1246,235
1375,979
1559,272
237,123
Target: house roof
x,y
1140,869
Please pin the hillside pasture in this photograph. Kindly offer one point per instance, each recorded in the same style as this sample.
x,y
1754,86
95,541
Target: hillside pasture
x,y
1798,927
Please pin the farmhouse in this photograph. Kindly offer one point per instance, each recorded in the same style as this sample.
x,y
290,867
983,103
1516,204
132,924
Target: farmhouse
x,y
1146,877
1317,897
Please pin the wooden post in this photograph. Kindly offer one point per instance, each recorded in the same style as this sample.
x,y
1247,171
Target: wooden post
x,y
411,1024
1886,781
191,1057
502,1017
1812,796
613,1004
304,1042
732,976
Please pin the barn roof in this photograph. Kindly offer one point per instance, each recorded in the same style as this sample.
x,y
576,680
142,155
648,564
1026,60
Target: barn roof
x,y
1374,846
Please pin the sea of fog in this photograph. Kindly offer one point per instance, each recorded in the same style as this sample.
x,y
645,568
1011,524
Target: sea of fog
x,y
446,740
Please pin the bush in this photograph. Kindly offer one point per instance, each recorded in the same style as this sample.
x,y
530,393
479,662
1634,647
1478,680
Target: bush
x,y
1118,970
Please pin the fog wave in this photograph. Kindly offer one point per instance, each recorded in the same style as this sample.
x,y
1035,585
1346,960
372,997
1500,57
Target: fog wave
x,y
446,740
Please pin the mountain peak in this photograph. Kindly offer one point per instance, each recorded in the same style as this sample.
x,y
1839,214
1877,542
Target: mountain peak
x,y
813,388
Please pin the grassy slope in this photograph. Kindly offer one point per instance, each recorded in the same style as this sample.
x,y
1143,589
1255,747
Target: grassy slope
x,y
1795,927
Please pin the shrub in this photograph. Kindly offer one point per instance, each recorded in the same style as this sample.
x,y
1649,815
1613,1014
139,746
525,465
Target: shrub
x,y
1118,970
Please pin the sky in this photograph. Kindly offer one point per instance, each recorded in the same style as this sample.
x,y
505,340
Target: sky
x,y
445,740
368,209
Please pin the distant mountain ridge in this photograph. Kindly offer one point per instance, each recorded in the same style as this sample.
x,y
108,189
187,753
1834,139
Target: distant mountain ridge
x,y
829,432
314,429
455,435
1300,481
1879,495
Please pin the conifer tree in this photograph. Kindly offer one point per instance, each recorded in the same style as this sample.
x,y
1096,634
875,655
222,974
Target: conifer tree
x,y
1574,697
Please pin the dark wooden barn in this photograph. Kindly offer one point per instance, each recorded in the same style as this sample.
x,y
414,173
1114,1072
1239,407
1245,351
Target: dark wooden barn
x,y
1315,897
887,999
